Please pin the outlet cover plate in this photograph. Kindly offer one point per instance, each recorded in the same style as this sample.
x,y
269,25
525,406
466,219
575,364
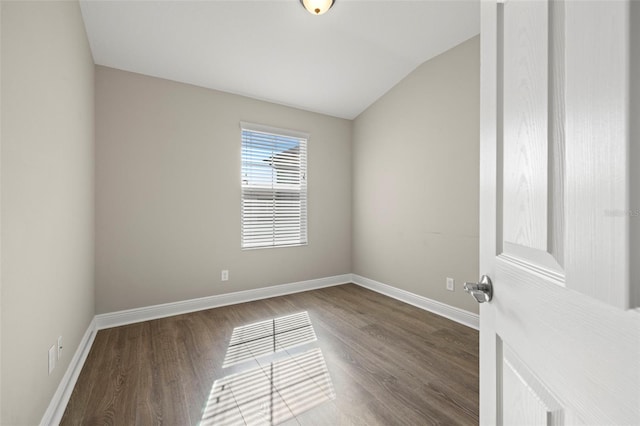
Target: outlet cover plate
x,y
59,347
224,276
451,284
52,358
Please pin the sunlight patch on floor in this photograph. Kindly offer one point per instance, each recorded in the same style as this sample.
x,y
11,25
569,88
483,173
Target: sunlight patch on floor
x,y
267,337
278,389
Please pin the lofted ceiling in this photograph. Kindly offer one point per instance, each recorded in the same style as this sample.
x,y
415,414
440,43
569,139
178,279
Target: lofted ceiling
x,y
338,63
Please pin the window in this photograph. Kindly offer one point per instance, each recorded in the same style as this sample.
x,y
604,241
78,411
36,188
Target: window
x,y
274,187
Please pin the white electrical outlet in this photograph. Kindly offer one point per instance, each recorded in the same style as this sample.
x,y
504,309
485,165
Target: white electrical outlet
x,y
59,347
224,276
451,284
52,358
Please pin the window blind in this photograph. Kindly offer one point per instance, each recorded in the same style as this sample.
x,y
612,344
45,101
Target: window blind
x,y
274,188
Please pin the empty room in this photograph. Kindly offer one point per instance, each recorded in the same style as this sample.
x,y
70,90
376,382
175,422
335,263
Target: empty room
x,y
319,212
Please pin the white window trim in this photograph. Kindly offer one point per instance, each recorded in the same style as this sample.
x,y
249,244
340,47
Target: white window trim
x,y
275,130
254,127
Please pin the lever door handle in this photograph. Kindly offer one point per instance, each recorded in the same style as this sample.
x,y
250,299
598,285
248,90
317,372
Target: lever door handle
x,y
482,291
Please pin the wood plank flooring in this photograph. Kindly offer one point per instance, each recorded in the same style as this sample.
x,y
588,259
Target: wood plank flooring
x,y
355,357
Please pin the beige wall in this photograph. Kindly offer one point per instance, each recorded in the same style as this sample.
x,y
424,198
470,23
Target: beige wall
x,y
46,198
415,180
168,193
0,212
635,154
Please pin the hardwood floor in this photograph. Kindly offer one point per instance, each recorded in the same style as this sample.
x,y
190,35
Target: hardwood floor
x,y
355,357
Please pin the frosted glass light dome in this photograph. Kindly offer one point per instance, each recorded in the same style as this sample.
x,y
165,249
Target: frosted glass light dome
x,y
317,7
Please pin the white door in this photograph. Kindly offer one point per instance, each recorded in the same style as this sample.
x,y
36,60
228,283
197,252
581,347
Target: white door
x,y
559,342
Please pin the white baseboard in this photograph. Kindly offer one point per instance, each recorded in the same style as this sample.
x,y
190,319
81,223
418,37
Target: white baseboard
x,y
458,315
58,403
130,316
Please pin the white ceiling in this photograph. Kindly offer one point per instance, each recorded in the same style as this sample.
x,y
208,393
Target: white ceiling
x,y
338,63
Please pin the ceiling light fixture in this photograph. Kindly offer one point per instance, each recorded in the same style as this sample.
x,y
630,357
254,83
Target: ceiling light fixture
x,y
317,7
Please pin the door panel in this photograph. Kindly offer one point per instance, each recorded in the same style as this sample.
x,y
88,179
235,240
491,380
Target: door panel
x,y
597,108
526,400
525,90
532,141
556,348
585,352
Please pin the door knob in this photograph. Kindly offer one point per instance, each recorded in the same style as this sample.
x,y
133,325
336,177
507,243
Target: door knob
x,y
482,291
